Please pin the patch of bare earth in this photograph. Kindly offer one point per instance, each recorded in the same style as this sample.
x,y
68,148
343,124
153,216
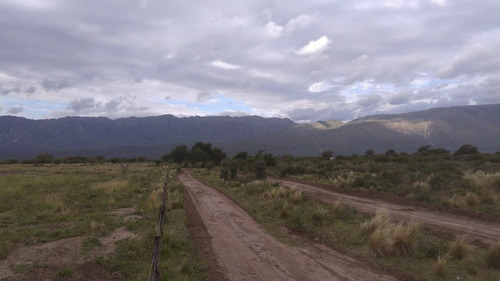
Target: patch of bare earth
x,y
482,231
244,251
44,261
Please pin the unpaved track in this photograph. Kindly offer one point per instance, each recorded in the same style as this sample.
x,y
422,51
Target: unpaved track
x,y
246,252
485,232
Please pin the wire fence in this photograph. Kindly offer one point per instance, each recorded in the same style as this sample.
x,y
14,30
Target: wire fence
x,y
154,271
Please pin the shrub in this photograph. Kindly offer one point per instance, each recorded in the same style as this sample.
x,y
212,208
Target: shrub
x,y
260,169
493,257
458,248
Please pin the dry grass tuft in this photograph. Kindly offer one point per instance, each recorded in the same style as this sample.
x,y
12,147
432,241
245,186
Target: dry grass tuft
x,y
155,197
403,235
112,186
380,242
458,248
286,210
440,267
471,199
493,257
337,205
295,197
380,220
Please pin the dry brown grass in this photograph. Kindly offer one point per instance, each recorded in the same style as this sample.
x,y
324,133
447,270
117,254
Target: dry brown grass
x,y
403,235
337,205
380,220
286,210
380,242
295,197
440,267
112,186
471,199
493,257
458,248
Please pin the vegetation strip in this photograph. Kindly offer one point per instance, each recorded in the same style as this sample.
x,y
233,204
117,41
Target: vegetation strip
x,y
488,233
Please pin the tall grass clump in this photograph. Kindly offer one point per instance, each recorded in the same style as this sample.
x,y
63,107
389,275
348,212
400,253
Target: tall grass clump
x,y
493,257
403,235
387,238
458,248
380,242
440,267
380,220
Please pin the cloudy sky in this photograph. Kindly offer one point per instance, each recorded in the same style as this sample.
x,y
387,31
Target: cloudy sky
x,y
303,60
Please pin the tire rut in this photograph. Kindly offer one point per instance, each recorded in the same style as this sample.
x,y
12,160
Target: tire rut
x,y
246,252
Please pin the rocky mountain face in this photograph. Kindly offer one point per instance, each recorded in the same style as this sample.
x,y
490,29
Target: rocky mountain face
x,y
447,128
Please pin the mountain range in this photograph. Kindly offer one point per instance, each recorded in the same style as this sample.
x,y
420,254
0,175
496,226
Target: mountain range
x,y
447,128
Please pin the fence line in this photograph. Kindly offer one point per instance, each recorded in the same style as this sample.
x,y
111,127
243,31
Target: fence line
x,y
154,271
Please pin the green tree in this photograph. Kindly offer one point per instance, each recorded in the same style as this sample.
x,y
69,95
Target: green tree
x,y
242,155
327,154
467,149
179,154
43,158
369,152
260,169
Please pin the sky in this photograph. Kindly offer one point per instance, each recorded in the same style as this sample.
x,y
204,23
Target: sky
x,y
304,60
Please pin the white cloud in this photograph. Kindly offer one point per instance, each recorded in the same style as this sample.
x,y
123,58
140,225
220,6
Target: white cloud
x,y
223,65
316,46
320,87
273,29
298,23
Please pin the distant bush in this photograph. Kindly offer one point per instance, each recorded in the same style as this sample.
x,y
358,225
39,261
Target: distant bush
x,y
467,149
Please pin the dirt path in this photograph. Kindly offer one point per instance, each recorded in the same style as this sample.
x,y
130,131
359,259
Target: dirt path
x,y
485,232
245,252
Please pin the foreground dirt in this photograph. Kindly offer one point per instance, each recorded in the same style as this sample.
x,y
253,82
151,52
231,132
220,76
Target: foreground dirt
x,y
245,252
476,230
44,261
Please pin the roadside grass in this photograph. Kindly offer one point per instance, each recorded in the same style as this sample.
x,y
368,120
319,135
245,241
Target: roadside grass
x,y
402,248
45,203
467,182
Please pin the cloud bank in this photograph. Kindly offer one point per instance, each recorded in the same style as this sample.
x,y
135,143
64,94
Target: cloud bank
x,y
307,61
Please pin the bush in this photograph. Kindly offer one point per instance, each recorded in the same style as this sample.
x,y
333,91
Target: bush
x,y
260,169
467,149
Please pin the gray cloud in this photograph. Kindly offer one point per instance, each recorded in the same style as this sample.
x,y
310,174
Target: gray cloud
x,y
82,104
15,109
376,58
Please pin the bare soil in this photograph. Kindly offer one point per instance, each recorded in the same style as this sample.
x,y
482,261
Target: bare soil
x,y
44,261
244,251
477,230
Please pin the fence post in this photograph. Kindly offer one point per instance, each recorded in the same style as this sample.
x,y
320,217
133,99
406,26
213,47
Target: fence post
x,y
155,267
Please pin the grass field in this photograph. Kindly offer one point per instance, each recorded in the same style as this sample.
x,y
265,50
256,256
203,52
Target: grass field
x,y
47,203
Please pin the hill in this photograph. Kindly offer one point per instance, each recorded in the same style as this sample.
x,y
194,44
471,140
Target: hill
x,y
447,128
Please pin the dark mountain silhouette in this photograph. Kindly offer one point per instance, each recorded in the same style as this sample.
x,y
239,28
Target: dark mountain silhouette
x,y
447,128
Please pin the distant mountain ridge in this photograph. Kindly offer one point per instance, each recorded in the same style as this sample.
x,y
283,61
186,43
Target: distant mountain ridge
x,y
448,128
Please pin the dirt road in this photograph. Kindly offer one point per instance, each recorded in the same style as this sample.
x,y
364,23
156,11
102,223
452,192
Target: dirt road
x,y
245,252
486,232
